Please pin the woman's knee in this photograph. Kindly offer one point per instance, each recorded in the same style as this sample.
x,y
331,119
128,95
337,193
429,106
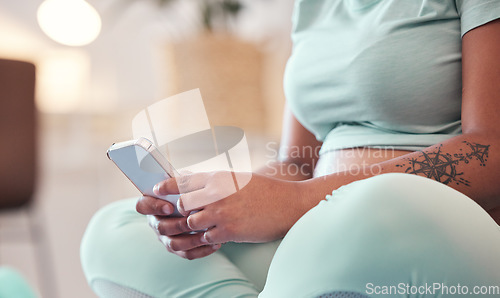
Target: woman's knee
x,y
106,236
389,228
107,220
404,197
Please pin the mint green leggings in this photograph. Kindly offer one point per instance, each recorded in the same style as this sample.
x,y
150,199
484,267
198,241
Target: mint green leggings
x,y
393,235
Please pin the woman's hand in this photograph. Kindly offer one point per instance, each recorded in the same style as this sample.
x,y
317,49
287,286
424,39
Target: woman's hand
x,y
158,212
263,210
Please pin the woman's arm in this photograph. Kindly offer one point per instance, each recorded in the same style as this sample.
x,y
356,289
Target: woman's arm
x,y
470,162
266,208
268,203
298,152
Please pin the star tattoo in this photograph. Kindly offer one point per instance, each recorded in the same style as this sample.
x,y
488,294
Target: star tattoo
x,y
442,166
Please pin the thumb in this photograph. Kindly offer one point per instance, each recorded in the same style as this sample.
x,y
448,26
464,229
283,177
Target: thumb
x,y
166,187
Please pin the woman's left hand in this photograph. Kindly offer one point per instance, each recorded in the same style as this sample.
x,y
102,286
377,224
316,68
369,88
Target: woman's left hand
x,y
263,210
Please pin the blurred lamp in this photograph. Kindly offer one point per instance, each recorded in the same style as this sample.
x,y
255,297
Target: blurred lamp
x,y
69,22
62,81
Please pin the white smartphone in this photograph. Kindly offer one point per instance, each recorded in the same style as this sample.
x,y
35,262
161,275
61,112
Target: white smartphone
x,y
144,166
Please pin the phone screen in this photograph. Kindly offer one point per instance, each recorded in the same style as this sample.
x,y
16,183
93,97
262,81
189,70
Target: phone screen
x,y
142,167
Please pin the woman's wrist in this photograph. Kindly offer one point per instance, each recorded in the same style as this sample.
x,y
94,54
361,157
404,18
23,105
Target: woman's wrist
x,y
315,189
306,194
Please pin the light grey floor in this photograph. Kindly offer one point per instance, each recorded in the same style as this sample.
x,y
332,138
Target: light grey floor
x,y
75,179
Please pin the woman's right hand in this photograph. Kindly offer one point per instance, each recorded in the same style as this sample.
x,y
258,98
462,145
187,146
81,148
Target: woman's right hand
x,y
173,228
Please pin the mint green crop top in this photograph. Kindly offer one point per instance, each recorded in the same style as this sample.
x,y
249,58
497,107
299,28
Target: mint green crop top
x,y
380,73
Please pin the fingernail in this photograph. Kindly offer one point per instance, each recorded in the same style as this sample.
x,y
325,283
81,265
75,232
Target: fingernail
x,y
204,239
150,220
163,239
215,246
180,206
167,209
156,189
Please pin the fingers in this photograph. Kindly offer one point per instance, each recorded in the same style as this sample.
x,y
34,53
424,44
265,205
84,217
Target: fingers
x,y
218,186
182,184
152,206
199,189
166,187
191,254
216,230
217,235
200,221
193,201
170,226
184,242
153,223
199,252
173,234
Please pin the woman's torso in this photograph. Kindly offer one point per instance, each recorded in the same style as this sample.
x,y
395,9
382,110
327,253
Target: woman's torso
x,y
377,70
379,74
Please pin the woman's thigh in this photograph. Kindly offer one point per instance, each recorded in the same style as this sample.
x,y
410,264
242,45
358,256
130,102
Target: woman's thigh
x,y
120,249
394,233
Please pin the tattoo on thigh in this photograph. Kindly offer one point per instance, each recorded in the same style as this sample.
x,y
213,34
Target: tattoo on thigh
x,y
441,166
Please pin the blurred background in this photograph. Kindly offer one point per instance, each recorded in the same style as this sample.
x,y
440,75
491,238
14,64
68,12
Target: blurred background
x,y
97,64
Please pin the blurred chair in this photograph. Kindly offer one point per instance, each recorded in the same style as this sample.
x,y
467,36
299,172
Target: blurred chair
x,y
17,133
18,157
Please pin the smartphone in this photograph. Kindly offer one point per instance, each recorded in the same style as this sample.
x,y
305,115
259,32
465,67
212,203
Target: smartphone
x,y
144,165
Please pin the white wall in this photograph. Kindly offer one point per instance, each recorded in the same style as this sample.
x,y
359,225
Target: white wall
x,y
123,69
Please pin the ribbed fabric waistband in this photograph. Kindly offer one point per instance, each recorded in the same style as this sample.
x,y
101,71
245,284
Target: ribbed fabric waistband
x,y
352,136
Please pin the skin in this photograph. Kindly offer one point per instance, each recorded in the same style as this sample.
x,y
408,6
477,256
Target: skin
x,y
266,208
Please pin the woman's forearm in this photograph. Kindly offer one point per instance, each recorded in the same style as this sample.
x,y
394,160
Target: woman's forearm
x,y
287,170
469,163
